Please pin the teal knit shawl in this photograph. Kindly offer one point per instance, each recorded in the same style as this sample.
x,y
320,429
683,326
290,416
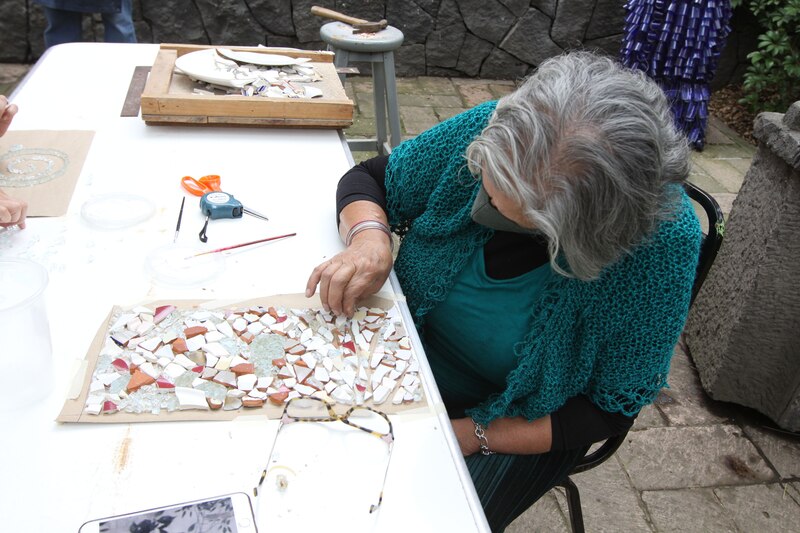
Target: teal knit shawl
x,y
611,338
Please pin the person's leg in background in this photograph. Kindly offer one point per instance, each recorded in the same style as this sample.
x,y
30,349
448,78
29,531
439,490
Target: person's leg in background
x,y
62,27
119,26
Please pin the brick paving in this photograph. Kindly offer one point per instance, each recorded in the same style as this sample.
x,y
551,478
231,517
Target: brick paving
x,y
689,463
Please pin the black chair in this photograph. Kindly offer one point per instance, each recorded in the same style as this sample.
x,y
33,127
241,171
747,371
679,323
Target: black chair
x,y
708,252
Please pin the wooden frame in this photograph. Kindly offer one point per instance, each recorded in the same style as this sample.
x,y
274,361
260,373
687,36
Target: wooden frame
x,y
168,99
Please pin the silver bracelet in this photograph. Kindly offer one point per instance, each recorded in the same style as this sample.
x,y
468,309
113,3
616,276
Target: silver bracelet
x,y
483,442
364,225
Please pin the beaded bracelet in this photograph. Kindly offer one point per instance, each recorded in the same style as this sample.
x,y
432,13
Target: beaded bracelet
x,y
364,225
483,442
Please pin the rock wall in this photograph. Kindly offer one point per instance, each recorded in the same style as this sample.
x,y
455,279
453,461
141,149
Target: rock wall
x,y
501,39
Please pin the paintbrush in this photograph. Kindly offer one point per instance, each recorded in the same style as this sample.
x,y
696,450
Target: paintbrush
x,y
243,244
178,225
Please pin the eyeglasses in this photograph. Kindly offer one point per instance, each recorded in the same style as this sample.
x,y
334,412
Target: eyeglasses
x,y
364,418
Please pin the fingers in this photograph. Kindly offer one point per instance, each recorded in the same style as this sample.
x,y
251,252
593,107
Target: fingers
x,y
7,112
12,212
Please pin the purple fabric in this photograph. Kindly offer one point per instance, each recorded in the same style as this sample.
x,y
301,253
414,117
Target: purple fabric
x,y
678,44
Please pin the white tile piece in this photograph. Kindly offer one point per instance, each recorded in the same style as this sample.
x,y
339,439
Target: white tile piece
x,y
322,374
174,370
329,386
184,361
211,360
111,348
165,351
380,394
238,360
267,319
137,359
150,344
195,343
191,398
255,393
240,325
226,329
305,390
378,373
264,381
397,399
256,328
377,357
290,382
149,369
121,321
343,394
292,395
349,376
200,315
405,355
169,336
246,382
236,393
302,372
214,336
99,386
149,356
310,359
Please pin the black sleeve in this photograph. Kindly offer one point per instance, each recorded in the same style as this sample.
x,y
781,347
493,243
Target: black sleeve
x,y
365,181
579,422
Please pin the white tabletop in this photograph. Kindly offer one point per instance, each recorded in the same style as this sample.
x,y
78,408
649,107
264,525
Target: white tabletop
x,y
56,476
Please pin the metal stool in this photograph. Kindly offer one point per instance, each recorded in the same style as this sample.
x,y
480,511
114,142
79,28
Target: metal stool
x,y
378,49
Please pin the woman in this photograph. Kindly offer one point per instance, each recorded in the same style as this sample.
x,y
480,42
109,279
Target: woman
x,y
548,255
12,212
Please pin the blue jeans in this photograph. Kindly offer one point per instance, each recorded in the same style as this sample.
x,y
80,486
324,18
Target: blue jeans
x,y
65,26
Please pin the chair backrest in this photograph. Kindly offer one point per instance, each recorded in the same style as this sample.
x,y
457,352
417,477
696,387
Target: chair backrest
x,y
708,252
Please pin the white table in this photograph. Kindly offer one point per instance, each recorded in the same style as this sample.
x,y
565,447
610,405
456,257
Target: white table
x,y
54,476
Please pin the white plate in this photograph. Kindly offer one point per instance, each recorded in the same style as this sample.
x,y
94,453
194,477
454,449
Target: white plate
x,y
117,210
207,66
257,58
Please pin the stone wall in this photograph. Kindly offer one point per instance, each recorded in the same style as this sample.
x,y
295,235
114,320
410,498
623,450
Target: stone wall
x,y
502,39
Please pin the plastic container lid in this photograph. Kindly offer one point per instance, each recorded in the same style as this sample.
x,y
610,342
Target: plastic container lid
x,y
117,210
174,264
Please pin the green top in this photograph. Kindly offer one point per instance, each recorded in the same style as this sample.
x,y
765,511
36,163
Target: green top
x,y
470,336
610,339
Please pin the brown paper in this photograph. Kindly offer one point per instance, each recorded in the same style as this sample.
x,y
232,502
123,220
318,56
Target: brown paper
x,y
73,407
42,167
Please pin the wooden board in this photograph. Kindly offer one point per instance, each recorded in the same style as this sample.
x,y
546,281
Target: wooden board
x,y
168,96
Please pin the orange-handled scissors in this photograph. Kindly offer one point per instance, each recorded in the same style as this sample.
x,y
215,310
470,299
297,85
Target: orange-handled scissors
x,y
202,186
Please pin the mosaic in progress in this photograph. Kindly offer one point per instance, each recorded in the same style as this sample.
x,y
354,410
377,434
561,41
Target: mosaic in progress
x,y
168,359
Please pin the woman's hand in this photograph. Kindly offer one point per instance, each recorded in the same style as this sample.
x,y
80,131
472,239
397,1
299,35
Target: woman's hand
x,y
12,212
358,272
464,429
7,112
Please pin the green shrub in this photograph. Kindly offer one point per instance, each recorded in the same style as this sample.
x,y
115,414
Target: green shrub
x,y
772,81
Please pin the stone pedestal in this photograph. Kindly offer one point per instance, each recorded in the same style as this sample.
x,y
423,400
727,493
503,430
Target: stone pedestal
x,y
743,330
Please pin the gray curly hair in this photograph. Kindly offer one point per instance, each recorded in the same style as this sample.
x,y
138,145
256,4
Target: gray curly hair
x,y
588,148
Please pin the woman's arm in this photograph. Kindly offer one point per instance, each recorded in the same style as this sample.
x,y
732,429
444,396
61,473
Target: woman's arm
x,y
506,435
364,266
579,422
